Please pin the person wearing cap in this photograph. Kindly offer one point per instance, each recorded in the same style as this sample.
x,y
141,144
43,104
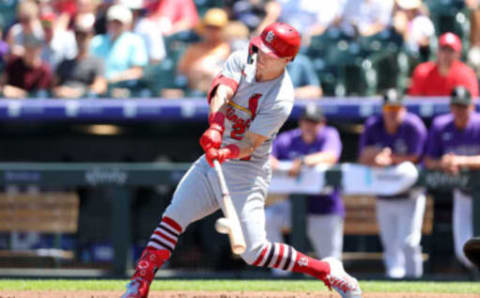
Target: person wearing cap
x,y
388,139
454,145
203,60
415,26
84,74
438,78
312,143
27,75
248,102
124,52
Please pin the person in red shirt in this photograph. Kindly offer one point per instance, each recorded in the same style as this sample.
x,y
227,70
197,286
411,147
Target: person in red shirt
x,y
438,78
172,16
27,75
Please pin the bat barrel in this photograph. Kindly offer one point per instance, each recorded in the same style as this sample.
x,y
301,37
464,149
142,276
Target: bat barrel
x,y
235,233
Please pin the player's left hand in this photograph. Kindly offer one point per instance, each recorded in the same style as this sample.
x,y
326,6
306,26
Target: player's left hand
x,y
211,138
222,154
214,153
296,168
384,158
452,163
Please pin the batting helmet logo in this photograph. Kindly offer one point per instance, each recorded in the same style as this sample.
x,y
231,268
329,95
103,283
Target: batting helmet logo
x,y
278,40
270,36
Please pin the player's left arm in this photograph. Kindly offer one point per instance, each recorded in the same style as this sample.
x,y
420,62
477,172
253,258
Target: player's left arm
x,y
249,143
469,162
399,158
238,150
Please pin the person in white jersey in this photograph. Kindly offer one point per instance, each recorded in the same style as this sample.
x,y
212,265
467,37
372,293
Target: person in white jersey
x,y
249,101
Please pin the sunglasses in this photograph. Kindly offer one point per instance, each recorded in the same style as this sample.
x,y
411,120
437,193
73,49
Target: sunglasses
x,y
392,108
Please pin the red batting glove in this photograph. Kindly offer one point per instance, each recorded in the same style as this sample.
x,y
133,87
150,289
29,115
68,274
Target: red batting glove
x,y
222,154
212,137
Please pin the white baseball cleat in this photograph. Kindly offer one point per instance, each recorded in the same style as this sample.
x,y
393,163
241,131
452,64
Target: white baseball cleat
x,y
341,281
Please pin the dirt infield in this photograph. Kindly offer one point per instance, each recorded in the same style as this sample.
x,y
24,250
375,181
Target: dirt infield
x,y
186,294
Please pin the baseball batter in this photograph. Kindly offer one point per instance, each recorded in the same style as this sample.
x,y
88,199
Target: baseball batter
x,y
388,139
454,144
249,101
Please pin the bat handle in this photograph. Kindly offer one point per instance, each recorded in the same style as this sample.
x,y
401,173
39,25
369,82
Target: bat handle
x,y
221,178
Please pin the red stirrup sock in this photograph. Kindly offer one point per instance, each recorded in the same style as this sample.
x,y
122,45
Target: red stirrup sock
x,y
285,257
159,248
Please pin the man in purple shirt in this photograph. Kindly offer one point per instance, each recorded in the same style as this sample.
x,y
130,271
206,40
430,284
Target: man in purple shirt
x,y
391,138
311,144
454,144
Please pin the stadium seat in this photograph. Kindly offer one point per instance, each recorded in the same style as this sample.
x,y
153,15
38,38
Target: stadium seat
x,y
204,5
8,11
160,76
449,16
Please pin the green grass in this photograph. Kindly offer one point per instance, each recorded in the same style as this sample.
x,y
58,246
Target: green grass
x,y
235,285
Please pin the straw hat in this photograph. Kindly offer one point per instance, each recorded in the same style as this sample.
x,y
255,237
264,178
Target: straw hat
x,y
215,17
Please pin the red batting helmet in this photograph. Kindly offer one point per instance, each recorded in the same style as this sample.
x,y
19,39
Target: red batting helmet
x,y
278,40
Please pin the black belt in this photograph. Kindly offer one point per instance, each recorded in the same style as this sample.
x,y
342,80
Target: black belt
x,y
402,196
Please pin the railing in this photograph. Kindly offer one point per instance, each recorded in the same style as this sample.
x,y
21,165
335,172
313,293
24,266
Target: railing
x,y
191,109
122,177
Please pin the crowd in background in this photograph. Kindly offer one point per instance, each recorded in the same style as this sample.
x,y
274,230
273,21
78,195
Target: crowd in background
x,y
173,48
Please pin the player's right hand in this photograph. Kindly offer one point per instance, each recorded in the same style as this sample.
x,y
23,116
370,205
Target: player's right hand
x,y
212,137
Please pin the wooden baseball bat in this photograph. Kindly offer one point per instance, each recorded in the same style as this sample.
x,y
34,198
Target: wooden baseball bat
x,y
237,240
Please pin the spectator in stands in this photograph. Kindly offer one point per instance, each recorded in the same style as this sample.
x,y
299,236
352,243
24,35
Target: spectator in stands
x,y
203,60
27,74
415,26
309,17
28,24
249,12
144,27
172,16
389,139
438,78
124,52
313,143
60,43
84,75
366,17
304,78
454,145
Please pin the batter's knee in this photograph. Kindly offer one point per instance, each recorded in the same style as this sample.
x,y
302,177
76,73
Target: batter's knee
x,y
251,255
